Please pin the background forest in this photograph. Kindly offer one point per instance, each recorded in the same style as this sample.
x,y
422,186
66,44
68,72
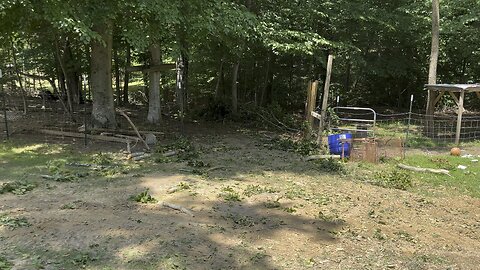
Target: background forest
x,y
217,57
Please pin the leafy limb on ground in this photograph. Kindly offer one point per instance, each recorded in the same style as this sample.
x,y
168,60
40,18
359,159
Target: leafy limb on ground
x,y
393,178
230,195
302,147
185,149
14,223
251,190
144,197
5,264
330,166
17,187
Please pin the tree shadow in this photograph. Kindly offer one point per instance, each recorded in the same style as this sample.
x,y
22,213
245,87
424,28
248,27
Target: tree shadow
x,y
109,231
95,224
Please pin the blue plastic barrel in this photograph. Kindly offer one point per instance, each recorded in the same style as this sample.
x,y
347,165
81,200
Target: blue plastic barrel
x,y
335,144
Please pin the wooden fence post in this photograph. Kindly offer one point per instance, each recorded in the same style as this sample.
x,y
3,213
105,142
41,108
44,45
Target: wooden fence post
x,y
326,91
311,101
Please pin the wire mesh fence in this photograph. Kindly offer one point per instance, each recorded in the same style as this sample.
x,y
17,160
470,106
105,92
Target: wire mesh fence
x,y
413,128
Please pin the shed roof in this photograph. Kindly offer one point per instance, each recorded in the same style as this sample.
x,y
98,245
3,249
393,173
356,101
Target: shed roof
x,y
454,87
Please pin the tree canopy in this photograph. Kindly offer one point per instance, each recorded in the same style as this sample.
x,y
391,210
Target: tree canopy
x,y
270,48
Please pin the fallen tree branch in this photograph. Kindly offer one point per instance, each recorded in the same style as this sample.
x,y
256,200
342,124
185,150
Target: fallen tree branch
x,y
215,168
134,155
170,154
317,157
178,208
134,128
131,132
141,157
82,135
418,169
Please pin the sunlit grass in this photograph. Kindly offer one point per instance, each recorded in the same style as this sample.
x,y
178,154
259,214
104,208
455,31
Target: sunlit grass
x,y
464,181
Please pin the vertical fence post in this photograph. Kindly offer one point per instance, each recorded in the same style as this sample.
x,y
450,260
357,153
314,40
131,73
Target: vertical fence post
x,y
459,118
4,105
326,91
85,109
408,126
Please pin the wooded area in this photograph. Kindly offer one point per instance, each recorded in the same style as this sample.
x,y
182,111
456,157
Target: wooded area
x,y
232,55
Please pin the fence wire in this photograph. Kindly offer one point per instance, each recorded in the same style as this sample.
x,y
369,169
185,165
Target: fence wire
x,y
414,127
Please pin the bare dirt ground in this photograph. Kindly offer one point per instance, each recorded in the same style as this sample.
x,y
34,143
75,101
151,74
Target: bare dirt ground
x,y
263,209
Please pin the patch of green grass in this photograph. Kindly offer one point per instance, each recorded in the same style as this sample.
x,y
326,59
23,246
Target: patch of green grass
x,y
14,223
5,264
230,195
251,190
83,258
20,159
294,192
244,221
198,164
405,236
102,159
290,210
183,186
379,235
72,205
318,199
272,204
332,218
464,181
144,197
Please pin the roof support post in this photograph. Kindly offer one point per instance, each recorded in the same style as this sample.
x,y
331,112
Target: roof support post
x,y
460,115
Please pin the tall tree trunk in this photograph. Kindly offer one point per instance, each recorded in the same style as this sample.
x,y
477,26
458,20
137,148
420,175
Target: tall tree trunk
x,y
348,76
182,81
235,88
19,78
126,80
63,76
268,88
74,87
103,110
261,100
154,104
117,77
219,92
432,73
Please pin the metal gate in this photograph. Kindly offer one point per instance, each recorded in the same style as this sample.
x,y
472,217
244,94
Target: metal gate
x,y
357,120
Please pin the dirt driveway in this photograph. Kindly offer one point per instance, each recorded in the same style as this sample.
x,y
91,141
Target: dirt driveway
x,y
260,209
